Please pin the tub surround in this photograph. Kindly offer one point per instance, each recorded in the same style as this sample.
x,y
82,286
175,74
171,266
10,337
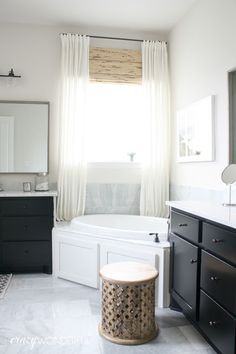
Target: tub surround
x,y
81,248
203,269
26,222
112,198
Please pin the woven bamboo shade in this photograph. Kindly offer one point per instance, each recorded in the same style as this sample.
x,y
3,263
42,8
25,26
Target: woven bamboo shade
x,y
115,65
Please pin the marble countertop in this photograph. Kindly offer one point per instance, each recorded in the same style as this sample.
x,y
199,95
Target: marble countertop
x,y
216,212
5,194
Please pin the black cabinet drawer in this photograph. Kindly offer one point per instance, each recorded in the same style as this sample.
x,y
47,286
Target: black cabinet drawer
x,y
184,268
218,279
185,226
26,206
220,241
27,228
217,324
25,254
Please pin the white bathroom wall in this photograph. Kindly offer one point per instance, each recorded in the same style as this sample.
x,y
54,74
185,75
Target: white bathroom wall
x,y
34,53
202,50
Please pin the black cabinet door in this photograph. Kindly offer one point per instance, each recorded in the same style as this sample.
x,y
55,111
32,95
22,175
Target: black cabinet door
x,y
217,324
26,206
26,228
18,256
184,273
218,279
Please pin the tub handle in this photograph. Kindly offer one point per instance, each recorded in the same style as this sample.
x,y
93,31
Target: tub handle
x,y
156,236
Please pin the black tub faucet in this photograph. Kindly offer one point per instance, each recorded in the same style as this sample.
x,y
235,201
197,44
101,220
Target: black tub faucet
x,y
156,236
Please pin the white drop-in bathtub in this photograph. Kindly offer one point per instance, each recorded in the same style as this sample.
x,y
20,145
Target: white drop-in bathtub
x,y
126,227
83,246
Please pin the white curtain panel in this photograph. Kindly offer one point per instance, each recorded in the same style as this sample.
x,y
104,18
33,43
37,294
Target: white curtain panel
x,y
73,101
155,174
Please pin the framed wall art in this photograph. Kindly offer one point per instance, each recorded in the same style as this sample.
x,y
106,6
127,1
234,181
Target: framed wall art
x,y
195,140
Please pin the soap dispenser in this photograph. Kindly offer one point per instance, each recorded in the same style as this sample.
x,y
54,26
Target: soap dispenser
x,y
41,182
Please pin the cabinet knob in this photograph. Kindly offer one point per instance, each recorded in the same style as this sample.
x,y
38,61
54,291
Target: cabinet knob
x,y
26,251
212,323
215,240
192,261
183,225
213,278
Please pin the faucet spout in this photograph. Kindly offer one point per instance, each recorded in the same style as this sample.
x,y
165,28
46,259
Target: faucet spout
x,y
156,239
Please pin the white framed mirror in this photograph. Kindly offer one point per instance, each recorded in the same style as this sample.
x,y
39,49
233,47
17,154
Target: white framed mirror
x,y
24,129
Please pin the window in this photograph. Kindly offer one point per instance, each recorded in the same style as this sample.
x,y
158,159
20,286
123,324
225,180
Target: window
x,y
115,122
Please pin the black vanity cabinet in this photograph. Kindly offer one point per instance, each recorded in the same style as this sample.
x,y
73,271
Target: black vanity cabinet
x,y
25,234
203,277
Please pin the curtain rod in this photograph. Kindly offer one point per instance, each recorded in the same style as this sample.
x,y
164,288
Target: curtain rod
x,y
116,38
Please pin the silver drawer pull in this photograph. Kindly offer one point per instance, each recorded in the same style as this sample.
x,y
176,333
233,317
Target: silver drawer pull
x,y
212,323
192,261
214,278
215,240
183,225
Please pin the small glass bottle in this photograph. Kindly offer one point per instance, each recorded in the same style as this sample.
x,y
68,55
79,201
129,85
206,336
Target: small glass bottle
x,y
41,182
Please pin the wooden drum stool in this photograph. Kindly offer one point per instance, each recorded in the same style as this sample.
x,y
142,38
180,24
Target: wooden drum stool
x,y
128,303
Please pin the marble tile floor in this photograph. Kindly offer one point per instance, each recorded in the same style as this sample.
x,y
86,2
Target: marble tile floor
x,y
44,315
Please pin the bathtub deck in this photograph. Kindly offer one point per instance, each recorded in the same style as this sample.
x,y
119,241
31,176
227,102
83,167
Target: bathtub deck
x,y
149,242
64,317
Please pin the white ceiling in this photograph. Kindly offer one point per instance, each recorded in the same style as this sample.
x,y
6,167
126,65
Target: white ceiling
x,y
135,15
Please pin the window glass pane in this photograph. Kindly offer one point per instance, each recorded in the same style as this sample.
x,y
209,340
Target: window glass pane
x,y
115,122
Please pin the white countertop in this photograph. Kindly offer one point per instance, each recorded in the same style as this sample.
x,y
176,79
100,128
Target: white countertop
x,y
28,194
216,212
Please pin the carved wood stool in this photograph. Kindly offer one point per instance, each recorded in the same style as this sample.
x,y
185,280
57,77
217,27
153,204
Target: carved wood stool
x,y
128,303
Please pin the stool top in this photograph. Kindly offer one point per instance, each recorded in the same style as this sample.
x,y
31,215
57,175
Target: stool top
x,y
128,272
